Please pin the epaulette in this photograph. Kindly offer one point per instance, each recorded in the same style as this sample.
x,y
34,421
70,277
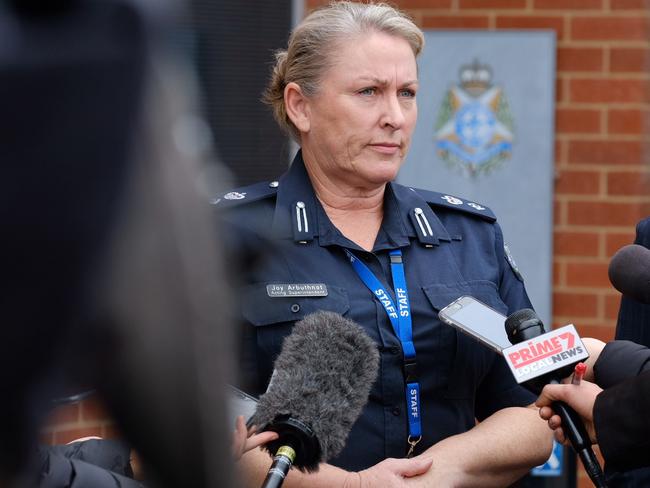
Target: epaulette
x,y
246,194
449,201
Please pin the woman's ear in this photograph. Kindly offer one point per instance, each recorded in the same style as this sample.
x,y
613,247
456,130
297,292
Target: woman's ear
x,y
297,106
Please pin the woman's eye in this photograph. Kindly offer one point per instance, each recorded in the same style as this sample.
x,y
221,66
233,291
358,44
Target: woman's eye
x,y
407,93
367,91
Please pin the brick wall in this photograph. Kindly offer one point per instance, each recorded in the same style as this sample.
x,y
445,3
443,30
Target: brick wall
x,y
602,149
73,421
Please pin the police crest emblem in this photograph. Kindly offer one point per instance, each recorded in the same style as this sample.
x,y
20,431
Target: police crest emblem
x,y
475,129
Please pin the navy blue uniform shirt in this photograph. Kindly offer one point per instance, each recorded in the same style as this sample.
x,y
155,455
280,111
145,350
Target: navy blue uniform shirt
x,y
450,248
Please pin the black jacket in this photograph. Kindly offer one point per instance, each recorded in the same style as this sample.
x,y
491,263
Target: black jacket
x,y
621,412
623,425
89,464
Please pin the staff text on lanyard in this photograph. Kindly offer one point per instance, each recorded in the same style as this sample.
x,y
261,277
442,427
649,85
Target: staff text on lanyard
x,y
400,318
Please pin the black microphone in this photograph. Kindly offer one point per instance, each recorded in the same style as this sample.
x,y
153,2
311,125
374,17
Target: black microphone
x,y
525,326
320,383
629,272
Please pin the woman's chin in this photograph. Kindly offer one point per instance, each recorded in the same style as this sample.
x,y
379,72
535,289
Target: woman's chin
x,y
380,176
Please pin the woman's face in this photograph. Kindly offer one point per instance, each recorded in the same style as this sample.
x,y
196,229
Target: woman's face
x,y
362,117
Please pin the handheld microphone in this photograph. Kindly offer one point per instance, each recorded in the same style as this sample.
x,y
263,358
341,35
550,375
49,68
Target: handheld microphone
x,y
629,272
555,353
535,359
320,384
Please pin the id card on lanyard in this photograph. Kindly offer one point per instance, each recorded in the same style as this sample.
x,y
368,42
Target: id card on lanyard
x,y
399,315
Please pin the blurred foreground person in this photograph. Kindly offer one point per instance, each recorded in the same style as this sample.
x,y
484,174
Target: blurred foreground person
x,y
346,239
83,463
111,277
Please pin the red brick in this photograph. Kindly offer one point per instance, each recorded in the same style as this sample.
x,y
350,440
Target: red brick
x,y
577,121
574,304
111,432
68,435
417,4
521,22
558,149
607,152
612,304
603,332
630,121
93,409
560,89
587,274
606,213
557,274
566,243
629,60
312,4
628,183
615,241
608,91
629,4
579,59
455,22
609,28
478,4
558,212
64,414
578,183
46,438
568,4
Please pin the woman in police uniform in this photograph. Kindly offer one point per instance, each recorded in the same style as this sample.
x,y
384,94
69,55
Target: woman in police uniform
x,y
345,90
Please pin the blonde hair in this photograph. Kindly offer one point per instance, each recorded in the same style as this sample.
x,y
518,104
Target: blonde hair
x,y
310,47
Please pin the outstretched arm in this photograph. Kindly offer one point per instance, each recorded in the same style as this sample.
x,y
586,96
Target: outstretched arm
x,y
390,473
495,453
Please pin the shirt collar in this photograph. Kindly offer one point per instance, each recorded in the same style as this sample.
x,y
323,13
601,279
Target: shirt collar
x,y
295,191
300,216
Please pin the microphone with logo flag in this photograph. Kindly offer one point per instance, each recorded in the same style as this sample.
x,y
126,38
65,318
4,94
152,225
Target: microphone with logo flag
x,y
320,383
537,359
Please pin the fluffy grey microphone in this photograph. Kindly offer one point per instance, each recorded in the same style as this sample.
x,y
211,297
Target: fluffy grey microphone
x,y
321,380
629,272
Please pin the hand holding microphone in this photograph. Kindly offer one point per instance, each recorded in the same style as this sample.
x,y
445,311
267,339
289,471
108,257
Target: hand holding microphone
x,y
580,397
244,440
525,327
536,358
319,386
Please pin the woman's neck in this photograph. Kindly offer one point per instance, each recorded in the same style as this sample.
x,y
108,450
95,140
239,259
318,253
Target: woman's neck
x,y
356,212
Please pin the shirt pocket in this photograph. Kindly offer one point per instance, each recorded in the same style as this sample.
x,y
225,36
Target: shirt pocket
x,y
273,317
471,360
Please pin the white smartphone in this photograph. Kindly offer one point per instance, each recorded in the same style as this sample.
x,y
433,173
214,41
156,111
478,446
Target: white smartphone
x,y
477,320
240,403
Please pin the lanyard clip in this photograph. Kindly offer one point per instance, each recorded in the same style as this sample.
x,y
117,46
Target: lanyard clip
x,y
410,370
412,442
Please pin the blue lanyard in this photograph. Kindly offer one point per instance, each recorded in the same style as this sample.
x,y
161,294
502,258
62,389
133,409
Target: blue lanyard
x,y
400,318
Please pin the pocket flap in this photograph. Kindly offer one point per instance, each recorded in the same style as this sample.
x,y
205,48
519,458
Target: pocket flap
x,y
443,294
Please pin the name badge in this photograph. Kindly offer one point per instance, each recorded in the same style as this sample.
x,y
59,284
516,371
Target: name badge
x,y
280,290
